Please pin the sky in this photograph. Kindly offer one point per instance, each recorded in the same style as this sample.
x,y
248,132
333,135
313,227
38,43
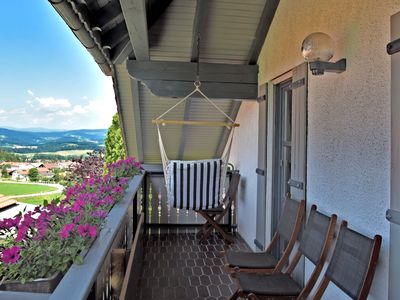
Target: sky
x,y
47,78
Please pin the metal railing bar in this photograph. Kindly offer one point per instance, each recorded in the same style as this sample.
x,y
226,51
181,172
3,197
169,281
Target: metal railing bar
x,y
78,281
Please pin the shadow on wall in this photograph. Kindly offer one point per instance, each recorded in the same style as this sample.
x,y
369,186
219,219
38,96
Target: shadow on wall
x,y
243,187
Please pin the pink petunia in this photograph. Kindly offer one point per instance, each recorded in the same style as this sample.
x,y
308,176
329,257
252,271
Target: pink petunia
x,y
78,205
99,214
11,255
65,231
22,231
87,230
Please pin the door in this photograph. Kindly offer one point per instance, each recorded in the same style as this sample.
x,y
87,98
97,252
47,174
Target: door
x,y
290,153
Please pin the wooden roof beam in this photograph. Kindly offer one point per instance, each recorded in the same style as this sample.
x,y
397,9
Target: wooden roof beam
x,y
136,22
262,30
114,36
107,14
175,79
121,51
199,24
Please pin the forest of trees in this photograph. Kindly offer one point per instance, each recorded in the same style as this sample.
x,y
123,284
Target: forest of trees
x,y
7,156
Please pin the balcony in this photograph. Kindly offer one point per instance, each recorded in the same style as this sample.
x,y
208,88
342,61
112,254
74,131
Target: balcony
x,y
134,257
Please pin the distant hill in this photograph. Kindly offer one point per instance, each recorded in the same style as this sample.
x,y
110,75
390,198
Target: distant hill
x,y
22,141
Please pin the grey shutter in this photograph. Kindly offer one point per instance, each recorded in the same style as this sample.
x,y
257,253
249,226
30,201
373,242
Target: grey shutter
x,y
261,170
297,181
299,133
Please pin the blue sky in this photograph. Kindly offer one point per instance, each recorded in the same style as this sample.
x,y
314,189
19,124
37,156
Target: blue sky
x,y
47,78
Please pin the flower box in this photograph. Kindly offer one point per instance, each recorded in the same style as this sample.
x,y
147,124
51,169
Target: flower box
x,y
54,239
43,285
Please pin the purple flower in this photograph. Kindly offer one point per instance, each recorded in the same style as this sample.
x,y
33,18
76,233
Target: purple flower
x,y
99,214
87,230
22,231
65,231
11,255
78,205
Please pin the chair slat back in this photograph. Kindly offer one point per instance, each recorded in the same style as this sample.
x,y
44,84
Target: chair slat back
x,y
353,262
287,221
314,235
230,195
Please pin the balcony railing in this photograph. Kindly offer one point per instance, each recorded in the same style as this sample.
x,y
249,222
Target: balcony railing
x,y
159,213
112,265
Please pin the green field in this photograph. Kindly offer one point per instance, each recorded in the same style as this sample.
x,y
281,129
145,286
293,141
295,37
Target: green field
x,y
38,200
15,189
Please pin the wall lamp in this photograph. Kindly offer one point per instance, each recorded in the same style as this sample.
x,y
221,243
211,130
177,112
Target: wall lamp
x,y
317,50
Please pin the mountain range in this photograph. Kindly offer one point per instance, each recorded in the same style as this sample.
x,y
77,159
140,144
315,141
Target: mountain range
x,y
23,141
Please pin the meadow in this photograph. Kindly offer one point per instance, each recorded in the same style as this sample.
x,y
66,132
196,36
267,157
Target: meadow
x,y
38,200
15,189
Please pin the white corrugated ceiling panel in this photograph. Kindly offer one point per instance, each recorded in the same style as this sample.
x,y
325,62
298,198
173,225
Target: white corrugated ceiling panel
x,y
150,108
171,36
231,29
202,142
126,106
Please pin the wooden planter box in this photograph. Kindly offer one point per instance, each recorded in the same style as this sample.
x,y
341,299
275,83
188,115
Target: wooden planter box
x,y
43,285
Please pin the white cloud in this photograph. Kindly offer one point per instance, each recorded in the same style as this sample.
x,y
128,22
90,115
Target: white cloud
x,y
31,93
2,111
52,103
62,113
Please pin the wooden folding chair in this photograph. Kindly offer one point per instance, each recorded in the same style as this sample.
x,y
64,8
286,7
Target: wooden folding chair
x,y
215,215
353,264
315,244
288,230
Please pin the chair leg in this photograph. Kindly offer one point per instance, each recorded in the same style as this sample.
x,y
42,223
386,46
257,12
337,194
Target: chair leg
x,y
235,295
217,227
205,226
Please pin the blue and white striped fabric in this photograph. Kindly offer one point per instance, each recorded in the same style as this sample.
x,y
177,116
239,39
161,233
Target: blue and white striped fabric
x,y
194,184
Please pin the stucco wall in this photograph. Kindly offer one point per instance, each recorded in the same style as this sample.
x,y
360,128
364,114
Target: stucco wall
x,y
348,169
244,157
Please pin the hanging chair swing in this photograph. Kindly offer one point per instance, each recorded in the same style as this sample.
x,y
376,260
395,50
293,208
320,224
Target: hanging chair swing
x,y
196,184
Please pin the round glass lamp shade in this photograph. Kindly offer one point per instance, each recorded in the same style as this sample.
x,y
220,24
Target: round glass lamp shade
x,y
317,46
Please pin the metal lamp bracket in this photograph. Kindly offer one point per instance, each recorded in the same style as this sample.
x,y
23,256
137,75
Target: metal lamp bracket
x,y
320,67
393,47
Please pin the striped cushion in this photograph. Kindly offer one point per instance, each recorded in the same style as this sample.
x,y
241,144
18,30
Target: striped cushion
x,y
194,184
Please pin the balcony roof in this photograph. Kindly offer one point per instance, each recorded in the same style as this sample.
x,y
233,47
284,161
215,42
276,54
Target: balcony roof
x,y
231,36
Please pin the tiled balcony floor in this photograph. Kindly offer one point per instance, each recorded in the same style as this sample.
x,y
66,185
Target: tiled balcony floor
x,y
177,267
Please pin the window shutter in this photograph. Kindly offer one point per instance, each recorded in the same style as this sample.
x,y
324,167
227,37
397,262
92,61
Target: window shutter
x,y
298,178
261,169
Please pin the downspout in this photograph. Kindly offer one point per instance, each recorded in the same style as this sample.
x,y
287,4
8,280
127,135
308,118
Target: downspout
x,y
76,17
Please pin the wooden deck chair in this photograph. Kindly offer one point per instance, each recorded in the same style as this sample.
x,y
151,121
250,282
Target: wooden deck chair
x,y
353,263
288,230
315,244
214,215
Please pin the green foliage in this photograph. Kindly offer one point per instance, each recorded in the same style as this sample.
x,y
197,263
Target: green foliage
x,y
7,156
40,200
4,173
114,143
33,174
